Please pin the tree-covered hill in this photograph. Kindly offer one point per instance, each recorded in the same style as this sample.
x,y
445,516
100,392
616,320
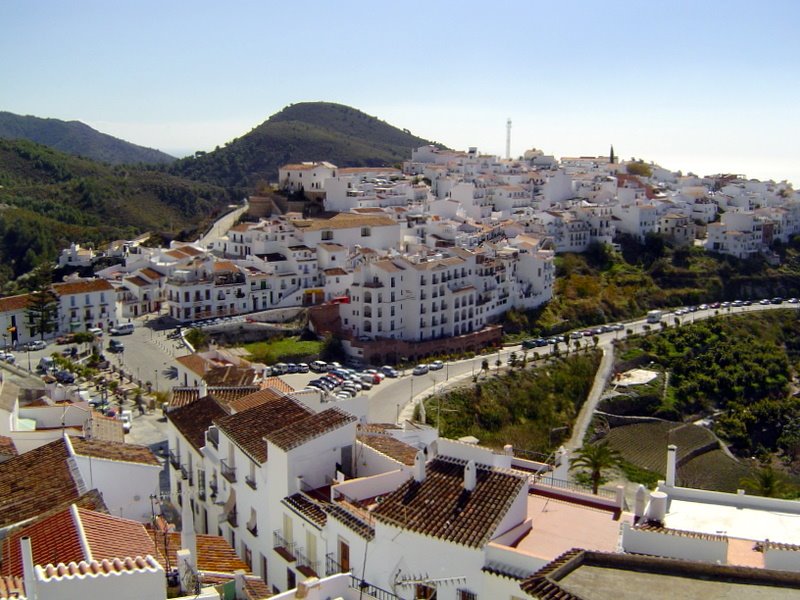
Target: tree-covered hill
x,y
78,139
308,131
49,199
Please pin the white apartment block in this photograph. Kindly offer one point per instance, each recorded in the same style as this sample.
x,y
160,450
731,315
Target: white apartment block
x,y
307,176
85,304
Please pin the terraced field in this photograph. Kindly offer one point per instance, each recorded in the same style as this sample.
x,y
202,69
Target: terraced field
x,y
713,470
645,444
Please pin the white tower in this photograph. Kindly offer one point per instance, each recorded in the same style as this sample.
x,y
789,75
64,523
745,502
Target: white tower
x,y
508,139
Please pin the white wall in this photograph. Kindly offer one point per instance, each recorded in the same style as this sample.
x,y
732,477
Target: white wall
x,y
671,545
782,560
148,583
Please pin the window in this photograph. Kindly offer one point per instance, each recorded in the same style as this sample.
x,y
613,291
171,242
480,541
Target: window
x,y
366,232
327,235
466,595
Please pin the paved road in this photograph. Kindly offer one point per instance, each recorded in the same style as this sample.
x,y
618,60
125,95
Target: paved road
x,y
223,224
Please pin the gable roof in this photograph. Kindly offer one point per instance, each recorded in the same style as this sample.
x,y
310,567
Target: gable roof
x,y
296,434
439,506
248,428
82,287
75,534
121,452
26,492
257,398
214,554
12,303
224,394
194,419
390,446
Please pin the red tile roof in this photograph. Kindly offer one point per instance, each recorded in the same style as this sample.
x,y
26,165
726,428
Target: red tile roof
x,y
195,363
151,273
230,375
12,303
194,419
391,447
77,534
257,398
82,287
114,451
7,447
248,428
35,482
441,507
295,434
214,554
306,507
276,383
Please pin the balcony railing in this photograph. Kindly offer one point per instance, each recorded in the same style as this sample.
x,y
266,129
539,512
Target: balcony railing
x,y
213,486
251,481
282,546
371,590
228,471
332,566
184,472
174,460
305,566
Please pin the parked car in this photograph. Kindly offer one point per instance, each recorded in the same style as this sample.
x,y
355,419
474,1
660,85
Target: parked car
x,y
303,368
436,365
420,369
64,377
319,366
123,329
95,331
115,346
37,345
389,371
65,339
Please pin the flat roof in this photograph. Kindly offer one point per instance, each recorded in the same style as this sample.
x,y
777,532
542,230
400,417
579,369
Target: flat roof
x,y
744,523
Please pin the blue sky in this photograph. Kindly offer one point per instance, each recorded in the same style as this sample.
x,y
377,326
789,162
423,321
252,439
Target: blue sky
x,y
698,86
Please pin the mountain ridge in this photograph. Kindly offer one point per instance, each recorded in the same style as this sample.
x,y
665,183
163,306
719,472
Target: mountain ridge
x,y
305,131
78,139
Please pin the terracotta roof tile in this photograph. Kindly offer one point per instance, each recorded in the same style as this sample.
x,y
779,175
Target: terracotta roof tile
x,y
344,221
12,303
194,419
12,587
230,375
351,521
276,383
24,490
391,447
224,395
195,363
254,399
306,507
151,273
66,536
137,281
439,506
214,554
295,434
82,287
248,428
115,451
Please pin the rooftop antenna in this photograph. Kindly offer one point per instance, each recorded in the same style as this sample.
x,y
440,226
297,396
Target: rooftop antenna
x,y
508,139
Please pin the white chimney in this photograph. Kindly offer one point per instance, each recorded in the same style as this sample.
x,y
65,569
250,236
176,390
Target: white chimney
x,y
672,451
304,588
419,467
203,388
640,501
433,449
238,577
28,572
657,510
470,476
188,535
508,449
185,569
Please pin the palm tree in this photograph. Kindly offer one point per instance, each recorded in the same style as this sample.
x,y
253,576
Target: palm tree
x,y
768,482
596,458
485,366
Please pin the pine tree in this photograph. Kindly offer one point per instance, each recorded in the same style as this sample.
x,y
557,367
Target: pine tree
x,y
42,309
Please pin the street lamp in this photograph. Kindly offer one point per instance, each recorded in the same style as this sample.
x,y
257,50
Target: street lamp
x,y
155,371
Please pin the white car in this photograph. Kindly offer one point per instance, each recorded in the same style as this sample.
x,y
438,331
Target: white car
x,y
420,369
127,420
436,365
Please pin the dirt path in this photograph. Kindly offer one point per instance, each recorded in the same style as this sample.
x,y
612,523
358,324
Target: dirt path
x,y
587,410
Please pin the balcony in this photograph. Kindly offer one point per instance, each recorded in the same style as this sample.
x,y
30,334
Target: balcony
x,y
184,472
174,460
213,437
201,493
232,518
371,591
305,566
213,487
251,481
253,529
282,546
332,566
228,471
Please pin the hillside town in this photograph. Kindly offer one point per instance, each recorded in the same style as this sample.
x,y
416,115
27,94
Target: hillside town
x,y
267,490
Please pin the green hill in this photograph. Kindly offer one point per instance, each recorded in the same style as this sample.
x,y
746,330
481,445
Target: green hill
x,y
308,131
78,139
49,199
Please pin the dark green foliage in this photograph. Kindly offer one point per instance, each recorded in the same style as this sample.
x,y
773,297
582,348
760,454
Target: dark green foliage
x,y
51,199
308,131
78,139
639,168
521,408
597,459
738,366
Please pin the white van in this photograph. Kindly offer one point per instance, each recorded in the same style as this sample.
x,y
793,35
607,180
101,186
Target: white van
x,y
123,329
46,364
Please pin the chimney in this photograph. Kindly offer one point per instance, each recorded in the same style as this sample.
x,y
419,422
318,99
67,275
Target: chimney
x,y
28,572
304,588
470,476
203,388
238,577
188,535
508,449
185,569
639,502
672,451
657,510
419,467
433,449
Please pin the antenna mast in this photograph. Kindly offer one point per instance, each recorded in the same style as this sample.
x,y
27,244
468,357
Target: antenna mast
x,y
508,139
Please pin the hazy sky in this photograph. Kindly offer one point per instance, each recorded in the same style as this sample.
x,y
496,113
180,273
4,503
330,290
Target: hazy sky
x,y
703,86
